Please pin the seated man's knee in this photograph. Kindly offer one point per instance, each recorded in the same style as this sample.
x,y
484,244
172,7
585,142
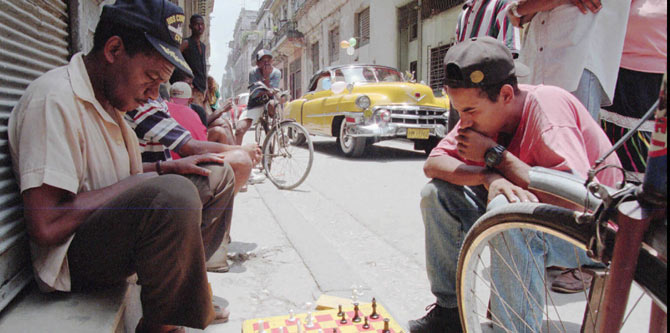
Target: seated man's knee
x,y
180,194
239,160
221,176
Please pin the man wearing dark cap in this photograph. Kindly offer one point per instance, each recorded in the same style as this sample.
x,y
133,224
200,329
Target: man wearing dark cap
x,y
263,73
93,216
505,129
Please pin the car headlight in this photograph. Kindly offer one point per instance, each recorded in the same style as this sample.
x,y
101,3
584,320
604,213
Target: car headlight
x,y
363,102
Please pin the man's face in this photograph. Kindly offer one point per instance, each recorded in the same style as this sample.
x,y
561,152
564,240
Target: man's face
x,y
265,64
197,26
133,80
477,111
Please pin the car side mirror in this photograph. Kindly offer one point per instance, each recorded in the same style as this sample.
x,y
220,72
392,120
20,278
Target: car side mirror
x,y
325,84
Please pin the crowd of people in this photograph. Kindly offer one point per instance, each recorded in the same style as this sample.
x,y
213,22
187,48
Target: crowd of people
x,y
121,173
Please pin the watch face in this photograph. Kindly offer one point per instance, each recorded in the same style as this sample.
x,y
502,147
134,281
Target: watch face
x,y
491,158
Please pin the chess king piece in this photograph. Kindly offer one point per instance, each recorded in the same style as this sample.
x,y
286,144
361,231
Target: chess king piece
x,y
374,314
357,318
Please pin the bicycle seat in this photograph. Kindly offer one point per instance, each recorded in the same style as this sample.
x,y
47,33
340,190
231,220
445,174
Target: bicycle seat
x,y
562,189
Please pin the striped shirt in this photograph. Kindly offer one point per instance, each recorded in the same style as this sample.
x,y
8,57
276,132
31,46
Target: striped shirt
x,y
157,131
487,18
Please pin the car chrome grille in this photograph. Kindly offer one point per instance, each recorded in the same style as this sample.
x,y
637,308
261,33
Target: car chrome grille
x,y
418,117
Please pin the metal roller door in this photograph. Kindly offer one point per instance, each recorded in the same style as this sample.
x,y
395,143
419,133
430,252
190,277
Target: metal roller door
x,y
34,38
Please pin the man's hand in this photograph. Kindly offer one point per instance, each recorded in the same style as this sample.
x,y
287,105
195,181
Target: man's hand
x,y
588,5
189,165
473,145
497,184
254,152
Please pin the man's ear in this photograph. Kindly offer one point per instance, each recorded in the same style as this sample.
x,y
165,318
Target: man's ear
x,y
114,49
507,93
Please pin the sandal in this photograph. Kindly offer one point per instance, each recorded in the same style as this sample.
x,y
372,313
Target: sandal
x,y
222,315
141,328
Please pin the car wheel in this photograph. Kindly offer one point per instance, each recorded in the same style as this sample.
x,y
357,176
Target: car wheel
x,y
432,143
350,146
297,139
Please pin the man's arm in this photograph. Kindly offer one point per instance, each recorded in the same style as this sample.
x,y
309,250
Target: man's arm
x,y
198,147
183,45
53,214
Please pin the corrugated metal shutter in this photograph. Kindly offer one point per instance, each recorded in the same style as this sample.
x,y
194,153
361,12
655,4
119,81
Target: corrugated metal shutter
x,y
34,38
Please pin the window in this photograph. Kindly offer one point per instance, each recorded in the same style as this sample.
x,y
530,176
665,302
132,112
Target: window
x,y
437,66
315,57
296,82
408,19
334,45
362,28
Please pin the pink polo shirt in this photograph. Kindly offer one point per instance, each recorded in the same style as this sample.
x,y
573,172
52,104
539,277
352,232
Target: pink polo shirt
x,y
556,132
645,48
188,119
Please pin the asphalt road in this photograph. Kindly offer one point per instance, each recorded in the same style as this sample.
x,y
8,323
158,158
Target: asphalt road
x,y
354,223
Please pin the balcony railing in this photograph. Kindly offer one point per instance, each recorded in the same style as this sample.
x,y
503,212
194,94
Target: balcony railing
x,y
289,30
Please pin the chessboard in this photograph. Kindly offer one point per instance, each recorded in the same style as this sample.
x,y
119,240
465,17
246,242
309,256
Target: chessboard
x,y
327,321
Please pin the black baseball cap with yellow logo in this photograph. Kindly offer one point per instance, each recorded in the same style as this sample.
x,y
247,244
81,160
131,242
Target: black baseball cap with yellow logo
x,y
160,20
480,61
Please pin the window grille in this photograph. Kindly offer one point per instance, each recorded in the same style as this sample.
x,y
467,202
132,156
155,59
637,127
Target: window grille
x,y
362,28
434,7
437,66
296,82
334,45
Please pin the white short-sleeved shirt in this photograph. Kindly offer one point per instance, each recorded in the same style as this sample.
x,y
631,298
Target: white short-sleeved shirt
x,y
60,135
562,42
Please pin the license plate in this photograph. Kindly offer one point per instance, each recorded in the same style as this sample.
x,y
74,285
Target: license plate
x,y
418,133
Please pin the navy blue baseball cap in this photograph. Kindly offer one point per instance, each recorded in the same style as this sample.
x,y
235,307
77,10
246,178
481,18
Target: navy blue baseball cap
x,y
480,61
160,20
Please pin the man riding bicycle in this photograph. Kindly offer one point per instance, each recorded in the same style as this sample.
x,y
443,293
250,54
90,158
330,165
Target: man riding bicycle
x,y
263,74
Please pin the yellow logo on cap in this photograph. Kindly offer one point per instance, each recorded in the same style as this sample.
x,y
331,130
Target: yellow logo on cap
x,y
476,76
175,23
174,56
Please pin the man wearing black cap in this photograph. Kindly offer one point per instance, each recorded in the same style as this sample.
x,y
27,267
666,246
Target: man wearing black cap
x,y
270,76
505,128
93,217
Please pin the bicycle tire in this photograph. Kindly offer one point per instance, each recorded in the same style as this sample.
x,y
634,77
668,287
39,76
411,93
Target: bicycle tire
x,y
524,217
287,165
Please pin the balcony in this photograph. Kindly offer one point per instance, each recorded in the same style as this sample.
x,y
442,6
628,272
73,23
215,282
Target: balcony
x,y
288,32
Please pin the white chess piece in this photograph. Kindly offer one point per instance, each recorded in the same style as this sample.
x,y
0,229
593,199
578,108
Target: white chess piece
x,y
299,326
310,320
291,315
261,327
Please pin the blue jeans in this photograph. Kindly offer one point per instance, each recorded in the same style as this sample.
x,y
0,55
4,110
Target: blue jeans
x,y
449,211
590,93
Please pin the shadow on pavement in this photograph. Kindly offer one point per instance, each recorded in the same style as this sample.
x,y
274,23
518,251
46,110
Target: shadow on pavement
x,y
376,152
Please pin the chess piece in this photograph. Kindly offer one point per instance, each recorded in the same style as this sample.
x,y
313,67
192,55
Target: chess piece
x,y
291,315
299,324
386,326
366,325
344,318
339,310
357,318
261,327
374,314
320,331
334,330
310,320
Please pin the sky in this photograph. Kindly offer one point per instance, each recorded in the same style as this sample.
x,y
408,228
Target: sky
x,y
223,19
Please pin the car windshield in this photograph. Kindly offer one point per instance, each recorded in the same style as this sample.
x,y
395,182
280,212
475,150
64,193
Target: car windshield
x,y
367,74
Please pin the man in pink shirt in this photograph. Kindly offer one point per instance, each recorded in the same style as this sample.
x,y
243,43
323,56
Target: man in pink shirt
x,y
178,106
505,129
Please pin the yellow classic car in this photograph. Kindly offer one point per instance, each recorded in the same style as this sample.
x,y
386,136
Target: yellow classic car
x,y
364,104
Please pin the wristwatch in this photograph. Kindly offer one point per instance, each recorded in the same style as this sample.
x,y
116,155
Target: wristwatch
x,y
493,156
512,8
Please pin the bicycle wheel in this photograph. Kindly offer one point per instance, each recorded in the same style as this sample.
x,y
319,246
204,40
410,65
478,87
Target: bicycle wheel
x,y
479,285
287,165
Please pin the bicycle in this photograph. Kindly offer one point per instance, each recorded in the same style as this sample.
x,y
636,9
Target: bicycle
x,y
622,229
284,161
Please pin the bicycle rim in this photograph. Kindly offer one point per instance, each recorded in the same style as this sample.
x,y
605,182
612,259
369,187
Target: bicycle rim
x,y
287,165
549,311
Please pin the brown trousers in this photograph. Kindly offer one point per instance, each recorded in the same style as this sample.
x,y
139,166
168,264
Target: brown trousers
x,y
163,229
